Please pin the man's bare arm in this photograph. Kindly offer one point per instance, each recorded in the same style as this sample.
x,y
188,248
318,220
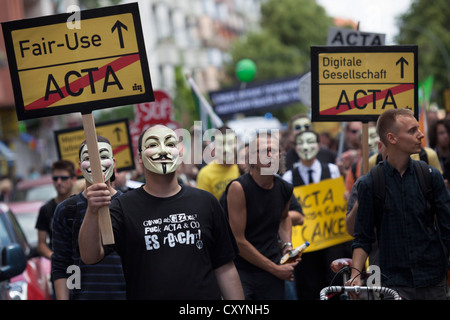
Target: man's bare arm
x,y
89,238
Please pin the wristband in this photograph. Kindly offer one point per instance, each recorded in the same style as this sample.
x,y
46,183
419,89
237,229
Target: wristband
x,y
286,244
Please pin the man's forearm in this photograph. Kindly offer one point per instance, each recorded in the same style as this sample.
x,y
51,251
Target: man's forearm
x,y
358,260
229,282
285,229
61,290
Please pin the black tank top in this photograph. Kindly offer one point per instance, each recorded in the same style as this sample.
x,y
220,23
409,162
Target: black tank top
x,y
264,209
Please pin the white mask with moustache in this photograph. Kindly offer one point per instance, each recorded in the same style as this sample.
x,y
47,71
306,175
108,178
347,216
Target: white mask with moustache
x,y
160,153
106,161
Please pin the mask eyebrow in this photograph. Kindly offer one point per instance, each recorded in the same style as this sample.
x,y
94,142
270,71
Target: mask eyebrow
x,y
170,136
155,138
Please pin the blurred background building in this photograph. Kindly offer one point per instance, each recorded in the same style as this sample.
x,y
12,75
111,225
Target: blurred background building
x,y
194,34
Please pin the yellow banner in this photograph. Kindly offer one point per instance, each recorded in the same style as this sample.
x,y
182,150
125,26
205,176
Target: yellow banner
x,y
324,207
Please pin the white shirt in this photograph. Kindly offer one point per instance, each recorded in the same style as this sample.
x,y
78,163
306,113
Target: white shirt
x,y
316,174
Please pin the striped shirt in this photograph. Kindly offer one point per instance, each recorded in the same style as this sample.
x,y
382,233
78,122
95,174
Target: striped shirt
x,y
101,281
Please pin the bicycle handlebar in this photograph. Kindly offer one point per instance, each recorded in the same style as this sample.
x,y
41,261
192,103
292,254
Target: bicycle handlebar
x,y
357,289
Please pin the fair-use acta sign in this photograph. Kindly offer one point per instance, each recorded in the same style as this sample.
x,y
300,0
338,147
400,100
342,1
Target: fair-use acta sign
x,y
56,69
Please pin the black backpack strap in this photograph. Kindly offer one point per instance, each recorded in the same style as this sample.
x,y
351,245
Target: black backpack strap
x,y
423,155
326,174
379,158
423,173
296,178
379,194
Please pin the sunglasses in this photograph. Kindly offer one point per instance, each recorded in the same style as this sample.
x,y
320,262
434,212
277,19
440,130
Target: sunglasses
x,y
63,178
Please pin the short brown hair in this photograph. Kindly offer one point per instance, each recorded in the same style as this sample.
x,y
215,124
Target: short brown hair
x,y
387,122
64,165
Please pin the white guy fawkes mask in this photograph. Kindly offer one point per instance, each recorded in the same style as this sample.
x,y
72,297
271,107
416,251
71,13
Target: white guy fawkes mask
x,y
306,146
225,148
106,160
373,140
160,153
301,124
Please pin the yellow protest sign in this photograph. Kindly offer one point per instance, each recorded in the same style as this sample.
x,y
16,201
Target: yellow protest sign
x,y
359,83
56,69
68,143
324,207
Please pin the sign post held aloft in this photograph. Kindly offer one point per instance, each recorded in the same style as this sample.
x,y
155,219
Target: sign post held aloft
x,y
58,70
97,175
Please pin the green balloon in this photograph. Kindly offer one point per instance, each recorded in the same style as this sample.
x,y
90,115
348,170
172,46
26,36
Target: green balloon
x,y
245,70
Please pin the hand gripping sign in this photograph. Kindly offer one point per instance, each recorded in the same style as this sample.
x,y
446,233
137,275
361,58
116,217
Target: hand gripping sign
x,y
58,70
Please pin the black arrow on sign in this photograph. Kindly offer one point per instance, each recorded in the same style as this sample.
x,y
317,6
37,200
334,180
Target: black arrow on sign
x,y
119,25
402,61
117,131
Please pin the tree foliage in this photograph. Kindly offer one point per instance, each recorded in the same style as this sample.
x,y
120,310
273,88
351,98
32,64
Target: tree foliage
x,y
184,104
427,24
282,46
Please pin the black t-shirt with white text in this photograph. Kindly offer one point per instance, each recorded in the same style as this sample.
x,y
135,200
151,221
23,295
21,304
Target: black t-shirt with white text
x,y
171,246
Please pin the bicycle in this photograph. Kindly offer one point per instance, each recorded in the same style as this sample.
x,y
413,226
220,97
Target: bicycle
x,y
344,266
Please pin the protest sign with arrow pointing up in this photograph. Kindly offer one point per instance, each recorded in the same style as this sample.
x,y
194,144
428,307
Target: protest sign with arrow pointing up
x,y
57,70
359,83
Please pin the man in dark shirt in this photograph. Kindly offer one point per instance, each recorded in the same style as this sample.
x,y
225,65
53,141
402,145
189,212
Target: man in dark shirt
x,y
411,254
257,204
64,178
174,240
104,280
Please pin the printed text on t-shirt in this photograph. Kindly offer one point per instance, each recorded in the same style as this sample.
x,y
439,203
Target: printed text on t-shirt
x,y
179,228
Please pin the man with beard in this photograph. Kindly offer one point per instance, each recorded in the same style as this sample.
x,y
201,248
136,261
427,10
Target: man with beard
x,y
257,204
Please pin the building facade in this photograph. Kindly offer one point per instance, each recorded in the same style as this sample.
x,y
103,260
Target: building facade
x,y
193,34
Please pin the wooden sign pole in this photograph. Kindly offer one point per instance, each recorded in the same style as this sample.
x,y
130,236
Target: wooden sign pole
x,y
97,175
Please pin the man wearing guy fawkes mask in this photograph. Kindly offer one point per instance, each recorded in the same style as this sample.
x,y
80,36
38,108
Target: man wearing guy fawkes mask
x,y
174,240
298,124
215,176
313,273
66,224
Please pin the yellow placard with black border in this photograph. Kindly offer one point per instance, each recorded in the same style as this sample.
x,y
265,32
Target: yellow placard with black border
x,y
57,69
324,207
358,83
68,143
